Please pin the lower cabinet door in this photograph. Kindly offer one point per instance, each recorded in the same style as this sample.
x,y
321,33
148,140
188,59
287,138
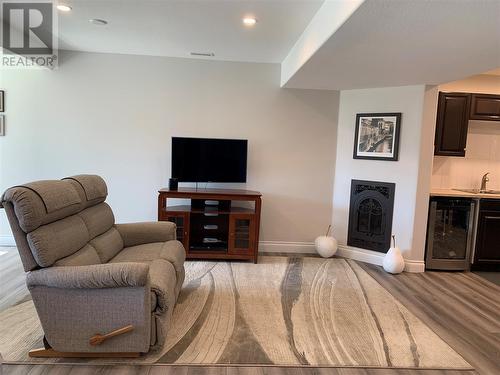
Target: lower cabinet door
x,y
241,234
181,220
488,240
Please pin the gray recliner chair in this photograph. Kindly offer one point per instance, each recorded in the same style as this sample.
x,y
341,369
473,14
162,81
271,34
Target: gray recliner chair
x,y
88,275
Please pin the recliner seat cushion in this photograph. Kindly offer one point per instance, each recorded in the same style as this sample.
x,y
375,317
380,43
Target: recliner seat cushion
x,y
86,256
172,251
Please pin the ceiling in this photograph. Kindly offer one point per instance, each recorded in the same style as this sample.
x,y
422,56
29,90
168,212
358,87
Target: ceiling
x,y
397,43
332,44
177,28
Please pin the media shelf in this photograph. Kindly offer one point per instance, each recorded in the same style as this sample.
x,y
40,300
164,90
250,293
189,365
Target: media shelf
x,y
212,226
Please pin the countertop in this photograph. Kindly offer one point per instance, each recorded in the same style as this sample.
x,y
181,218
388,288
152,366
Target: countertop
x,y
461,194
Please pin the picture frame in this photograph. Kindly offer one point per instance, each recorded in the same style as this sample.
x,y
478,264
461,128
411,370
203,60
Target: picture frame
x,y
2,102
2,125
377,136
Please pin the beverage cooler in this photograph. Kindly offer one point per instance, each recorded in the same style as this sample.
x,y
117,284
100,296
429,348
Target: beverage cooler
x,y
449,233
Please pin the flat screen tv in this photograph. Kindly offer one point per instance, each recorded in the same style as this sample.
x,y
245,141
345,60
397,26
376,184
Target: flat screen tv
x,y
209,160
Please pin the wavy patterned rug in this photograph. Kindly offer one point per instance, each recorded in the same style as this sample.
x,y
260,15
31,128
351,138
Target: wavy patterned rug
x,y
286,311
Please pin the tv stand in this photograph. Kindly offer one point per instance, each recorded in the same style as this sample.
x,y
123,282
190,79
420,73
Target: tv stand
x,y
211,225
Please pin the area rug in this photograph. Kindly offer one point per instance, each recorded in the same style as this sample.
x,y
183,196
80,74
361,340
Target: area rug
x,y
282,311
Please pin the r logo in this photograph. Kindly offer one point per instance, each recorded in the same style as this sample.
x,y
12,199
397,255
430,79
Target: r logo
x,y
27,28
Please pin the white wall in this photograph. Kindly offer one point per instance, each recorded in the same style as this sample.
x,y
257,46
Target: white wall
x,y
114,115
409,173
483,144
428,130
327,20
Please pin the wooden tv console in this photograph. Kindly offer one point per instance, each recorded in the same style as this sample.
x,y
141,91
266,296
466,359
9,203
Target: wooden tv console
x,y
211,225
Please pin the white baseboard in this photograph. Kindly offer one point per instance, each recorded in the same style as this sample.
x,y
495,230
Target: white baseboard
x,y
367,256
362,255
375,257
7,240
286,247
414,265
354,253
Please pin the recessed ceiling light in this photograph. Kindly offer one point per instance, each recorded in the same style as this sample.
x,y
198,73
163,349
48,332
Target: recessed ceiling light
x,y
64,8
249,21
97,21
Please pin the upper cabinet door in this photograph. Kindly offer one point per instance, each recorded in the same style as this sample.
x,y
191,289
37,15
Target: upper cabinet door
x,y
452,124
485,107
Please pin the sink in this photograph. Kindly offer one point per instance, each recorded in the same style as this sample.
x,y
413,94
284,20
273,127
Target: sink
x,y
478,191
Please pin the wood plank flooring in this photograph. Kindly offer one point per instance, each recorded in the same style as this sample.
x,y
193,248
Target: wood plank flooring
x,y
219,370
12,278
462,308
493,277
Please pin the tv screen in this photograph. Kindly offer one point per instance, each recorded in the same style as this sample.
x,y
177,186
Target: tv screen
x,y
209,160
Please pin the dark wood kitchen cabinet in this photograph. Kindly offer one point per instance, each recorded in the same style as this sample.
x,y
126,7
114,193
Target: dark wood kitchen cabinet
x,y
452,123
487,251
485,107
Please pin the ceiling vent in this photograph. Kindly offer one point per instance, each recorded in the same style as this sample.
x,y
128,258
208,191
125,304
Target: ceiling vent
x,y
205,54
98,22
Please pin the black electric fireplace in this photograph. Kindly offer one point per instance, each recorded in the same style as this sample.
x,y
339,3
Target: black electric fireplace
x,y
370,215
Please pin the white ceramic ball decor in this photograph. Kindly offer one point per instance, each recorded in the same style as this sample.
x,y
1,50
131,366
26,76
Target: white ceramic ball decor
x,y
393,261
326,245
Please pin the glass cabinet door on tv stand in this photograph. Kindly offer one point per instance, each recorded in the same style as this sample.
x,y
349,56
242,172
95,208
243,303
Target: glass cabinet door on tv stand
x,y
241,233
181,220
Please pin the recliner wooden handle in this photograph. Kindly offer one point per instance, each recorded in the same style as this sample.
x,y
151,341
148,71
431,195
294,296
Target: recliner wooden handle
x,y
98,339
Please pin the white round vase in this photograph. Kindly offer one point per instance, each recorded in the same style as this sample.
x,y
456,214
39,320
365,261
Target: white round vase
x,y
393,261
326,246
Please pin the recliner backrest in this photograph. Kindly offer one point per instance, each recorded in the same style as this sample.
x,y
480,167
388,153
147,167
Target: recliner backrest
x,y
62,222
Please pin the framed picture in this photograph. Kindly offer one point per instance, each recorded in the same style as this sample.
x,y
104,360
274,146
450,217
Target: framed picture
x,y
377,136
2,125
2,106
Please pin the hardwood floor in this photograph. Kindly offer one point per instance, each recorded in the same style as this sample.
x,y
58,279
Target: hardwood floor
x,y
462,308
219,370
12,278
493,277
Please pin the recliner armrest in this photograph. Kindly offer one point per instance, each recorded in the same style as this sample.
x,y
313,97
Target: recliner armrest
x,y
97,276
148,232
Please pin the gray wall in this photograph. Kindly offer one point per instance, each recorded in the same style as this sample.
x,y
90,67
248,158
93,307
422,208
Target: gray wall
x,y
114,115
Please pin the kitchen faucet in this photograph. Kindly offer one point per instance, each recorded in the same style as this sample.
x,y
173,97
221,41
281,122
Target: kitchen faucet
x,y
484,181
